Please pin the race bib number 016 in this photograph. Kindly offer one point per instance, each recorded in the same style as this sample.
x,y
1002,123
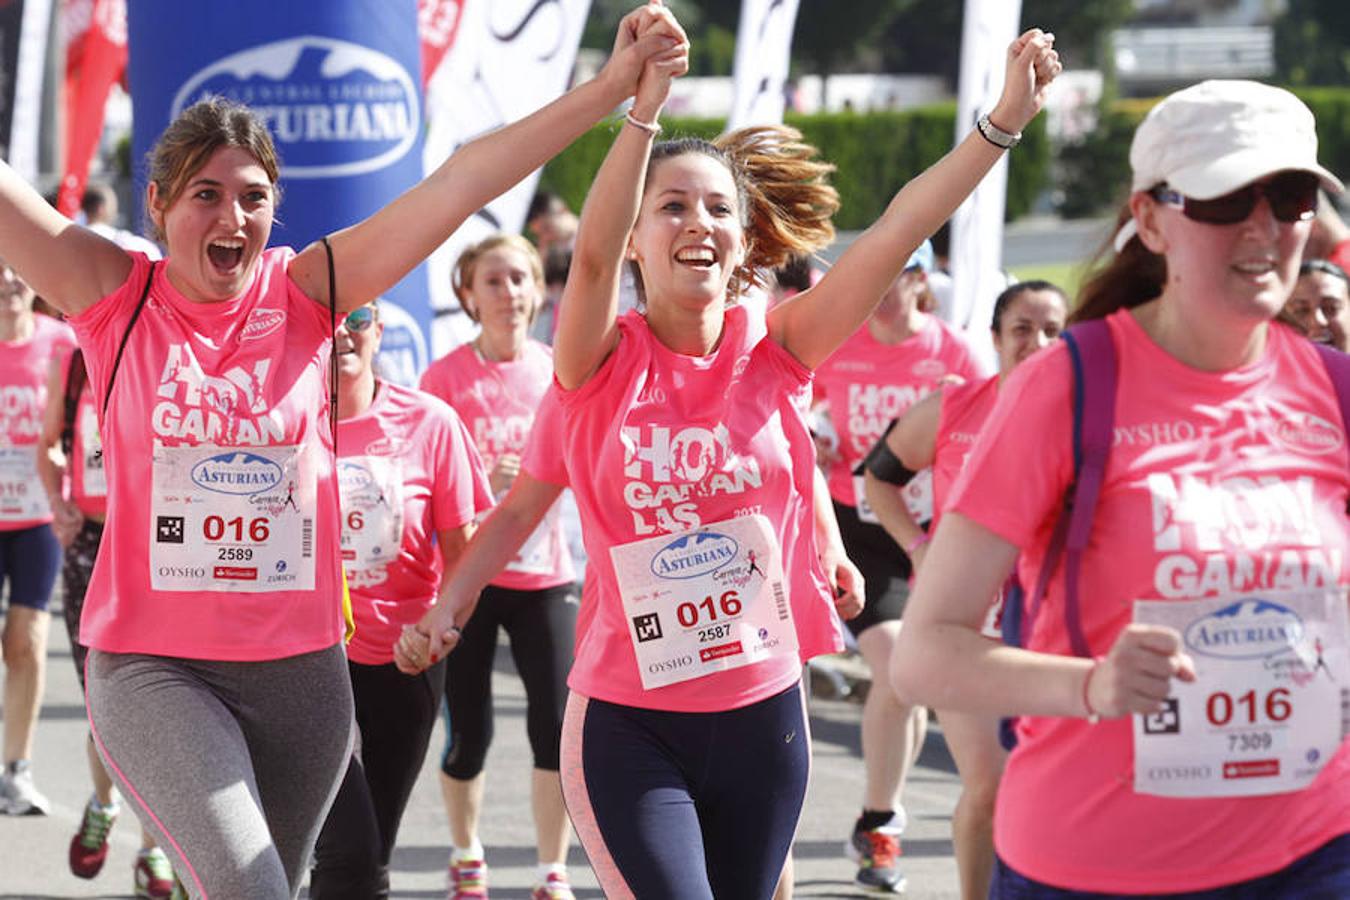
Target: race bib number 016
x,y
232,519
705,601
1264,714
22,498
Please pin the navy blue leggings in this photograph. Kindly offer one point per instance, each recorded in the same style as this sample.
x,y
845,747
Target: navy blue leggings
x,y
30,559
686,805
1323,874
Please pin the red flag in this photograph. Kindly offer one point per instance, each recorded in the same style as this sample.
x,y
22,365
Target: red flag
x,y
437,23
96,56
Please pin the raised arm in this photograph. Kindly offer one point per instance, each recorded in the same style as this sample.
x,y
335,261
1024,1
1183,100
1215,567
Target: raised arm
x,y
907,446
70,267
374,254
590,302
813,324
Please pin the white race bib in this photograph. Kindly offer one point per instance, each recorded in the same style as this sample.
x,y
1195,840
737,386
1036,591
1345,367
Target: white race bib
x,y
704,601
372,515
236,519
94,477
540,550
1268,708
22,498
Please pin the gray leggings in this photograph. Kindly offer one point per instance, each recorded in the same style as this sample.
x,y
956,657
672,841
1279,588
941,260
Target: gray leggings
x,y
230,765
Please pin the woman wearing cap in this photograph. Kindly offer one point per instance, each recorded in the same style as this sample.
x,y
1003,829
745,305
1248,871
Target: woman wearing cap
x,y
898,356
412,485
214,602
1320,304
1194,741
937,434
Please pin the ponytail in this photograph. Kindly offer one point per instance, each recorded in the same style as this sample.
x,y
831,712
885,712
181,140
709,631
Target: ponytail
x,y
1120,279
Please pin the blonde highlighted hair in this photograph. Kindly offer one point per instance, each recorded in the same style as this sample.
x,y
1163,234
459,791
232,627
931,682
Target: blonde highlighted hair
x,y
461,277
783,192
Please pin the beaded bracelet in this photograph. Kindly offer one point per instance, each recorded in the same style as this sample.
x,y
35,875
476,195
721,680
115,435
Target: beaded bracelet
x,y
652,128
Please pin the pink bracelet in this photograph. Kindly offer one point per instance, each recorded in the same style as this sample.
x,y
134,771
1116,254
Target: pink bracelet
x,y
1092,715
923,538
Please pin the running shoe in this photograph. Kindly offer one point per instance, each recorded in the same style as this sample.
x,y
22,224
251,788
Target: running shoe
x,y
89,846
555,887
877,853
468,879
18,795
154,874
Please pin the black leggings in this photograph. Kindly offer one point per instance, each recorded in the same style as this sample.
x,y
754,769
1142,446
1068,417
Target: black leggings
x,y
687,806
542,627
394,717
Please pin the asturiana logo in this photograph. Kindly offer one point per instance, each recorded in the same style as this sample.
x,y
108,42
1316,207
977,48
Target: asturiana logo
x,y
694,554
261,323
236,473
319,97
1308,433
353,476
1247,629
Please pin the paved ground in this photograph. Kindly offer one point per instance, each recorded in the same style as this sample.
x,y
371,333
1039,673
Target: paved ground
x,y
33,850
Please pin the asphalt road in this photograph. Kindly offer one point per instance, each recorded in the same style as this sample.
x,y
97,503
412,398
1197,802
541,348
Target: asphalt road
x,y
33,849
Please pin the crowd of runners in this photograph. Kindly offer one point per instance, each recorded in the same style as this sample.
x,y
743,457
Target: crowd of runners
x,y
280,568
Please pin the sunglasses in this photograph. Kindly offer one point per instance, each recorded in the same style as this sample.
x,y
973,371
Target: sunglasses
x,y
1292,197
359,319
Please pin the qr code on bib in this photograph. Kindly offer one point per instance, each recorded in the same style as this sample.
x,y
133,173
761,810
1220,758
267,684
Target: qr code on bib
x,y
169,529
1166,720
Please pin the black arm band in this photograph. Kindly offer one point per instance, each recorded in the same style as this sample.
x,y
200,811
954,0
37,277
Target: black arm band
x,y
885,465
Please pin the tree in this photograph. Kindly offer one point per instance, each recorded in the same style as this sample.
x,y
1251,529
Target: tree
x,y
1312,43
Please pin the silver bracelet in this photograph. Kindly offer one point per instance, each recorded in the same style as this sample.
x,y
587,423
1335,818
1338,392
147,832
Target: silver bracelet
x,y
652,128
1004,140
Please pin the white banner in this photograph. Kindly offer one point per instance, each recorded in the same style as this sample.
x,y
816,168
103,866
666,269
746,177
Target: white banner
x,y
763,51
510,58
30,63
977,226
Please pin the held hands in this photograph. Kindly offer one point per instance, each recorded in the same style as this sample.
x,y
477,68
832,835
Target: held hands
x,y
1136,676
647,35
423,645
1032,65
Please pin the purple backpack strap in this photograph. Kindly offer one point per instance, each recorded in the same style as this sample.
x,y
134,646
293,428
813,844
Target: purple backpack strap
x,y
1337,365
1092,355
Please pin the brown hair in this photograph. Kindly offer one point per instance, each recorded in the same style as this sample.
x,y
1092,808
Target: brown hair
x,y
461,277
1120,280
197,133
782,191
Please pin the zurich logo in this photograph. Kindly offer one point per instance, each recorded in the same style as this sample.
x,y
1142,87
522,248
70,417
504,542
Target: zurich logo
x,y
319,97
281,565
1247,629
353,476
236,473
694,554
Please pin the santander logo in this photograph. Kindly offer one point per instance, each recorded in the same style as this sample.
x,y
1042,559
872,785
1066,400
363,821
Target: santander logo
x,y
1304,432
261,323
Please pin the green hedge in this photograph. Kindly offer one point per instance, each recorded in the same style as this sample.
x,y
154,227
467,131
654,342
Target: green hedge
x,y
1094,174
875,154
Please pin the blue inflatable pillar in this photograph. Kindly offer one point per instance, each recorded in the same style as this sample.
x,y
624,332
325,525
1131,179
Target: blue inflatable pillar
x,y
338,83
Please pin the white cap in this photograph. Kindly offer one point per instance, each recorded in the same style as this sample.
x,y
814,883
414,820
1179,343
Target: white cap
x,y
1212,138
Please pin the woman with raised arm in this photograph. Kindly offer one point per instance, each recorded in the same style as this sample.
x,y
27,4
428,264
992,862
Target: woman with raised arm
x,y
215,604
685,746
936,434
1180,683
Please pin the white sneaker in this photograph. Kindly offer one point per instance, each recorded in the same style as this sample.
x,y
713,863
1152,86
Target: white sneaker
x,y
18,795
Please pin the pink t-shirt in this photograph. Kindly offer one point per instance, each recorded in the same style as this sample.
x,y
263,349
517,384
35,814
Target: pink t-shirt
x,y
961,415
23,400
498,402
869,384
658,443
222,534
541,457
87,476
1194,454
406,470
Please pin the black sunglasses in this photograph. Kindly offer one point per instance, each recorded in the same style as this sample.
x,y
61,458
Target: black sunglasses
x,y
1292,197
359,319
